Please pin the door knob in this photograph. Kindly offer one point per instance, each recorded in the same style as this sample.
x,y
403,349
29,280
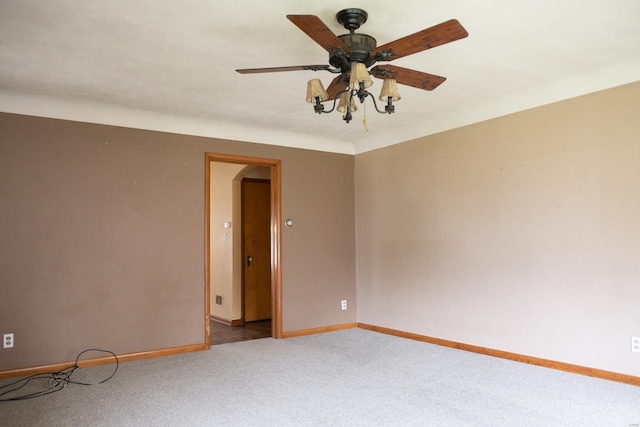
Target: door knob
x,y
249,259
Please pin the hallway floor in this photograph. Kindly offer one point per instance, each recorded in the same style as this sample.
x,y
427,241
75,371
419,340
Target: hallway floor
x,y
222,333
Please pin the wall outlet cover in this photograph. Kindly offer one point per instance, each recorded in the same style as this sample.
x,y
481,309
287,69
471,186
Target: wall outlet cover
x,y
7,341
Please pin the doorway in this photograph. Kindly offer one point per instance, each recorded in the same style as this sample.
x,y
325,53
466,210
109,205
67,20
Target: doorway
x,y
273,305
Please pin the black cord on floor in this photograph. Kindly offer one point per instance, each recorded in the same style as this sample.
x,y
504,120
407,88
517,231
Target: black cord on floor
x,y
56,381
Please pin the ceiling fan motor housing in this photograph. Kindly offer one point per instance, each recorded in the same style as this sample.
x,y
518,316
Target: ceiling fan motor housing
x,y
359,44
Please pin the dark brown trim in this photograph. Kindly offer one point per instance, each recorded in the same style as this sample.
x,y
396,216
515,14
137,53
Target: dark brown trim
x,y
102,360
275,166
551,364
320,330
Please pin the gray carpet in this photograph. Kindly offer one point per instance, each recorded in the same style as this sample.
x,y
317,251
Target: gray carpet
x,y
346,378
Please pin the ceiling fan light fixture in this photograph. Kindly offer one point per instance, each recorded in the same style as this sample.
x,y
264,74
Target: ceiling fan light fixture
x,y
315,91
344,100
389,90
350,56
359,74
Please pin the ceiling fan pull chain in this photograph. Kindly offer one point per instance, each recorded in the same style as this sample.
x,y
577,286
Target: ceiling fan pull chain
x,y
364,118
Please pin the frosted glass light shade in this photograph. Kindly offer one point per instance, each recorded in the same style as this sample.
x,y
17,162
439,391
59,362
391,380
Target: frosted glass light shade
x,y
315,89
359,74
342,104
389,89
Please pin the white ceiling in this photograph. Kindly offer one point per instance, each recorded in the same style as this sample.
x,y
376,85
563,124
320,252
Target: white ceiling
x,y
170,64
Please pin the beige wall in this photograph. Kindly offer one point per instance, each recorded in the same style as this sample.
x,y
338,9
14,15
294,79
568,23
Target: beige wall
x,y
520,234
223,242
102,237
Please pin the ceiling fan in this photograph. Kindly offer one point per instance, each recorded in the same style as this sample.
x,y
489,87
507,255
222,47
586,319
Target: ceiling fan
x,y
350,56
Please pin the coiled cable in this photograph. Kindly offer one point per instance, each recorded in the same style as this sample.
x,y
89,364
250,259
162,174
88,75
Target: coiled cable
x,y
52,382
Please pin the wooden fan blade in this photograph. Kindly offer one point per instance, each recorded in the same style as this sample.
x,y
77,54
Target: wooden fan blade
x,y
337,85
437,35
312,26
278,69
408,77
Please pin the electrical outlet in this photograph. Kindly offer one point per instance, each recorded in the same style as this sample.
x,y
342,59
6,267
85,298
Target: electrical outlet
x,y
7,341
635,344
344,304
219,299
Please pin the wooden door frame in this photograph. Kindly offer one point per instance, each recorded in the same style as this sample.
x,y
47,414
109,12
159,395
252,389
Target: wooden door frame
x,y
275,167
